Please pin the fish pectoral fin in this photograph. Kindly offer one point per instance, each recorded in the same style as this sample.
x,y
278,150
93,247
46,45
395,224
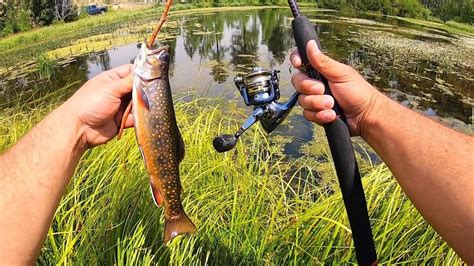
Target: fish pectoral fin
x,y
176,226
142,98
124,120
155,193
181,148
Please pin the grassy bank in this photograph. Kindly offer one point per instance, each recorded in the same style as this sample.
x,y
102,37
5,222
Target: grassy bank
x,y
251,207
449,26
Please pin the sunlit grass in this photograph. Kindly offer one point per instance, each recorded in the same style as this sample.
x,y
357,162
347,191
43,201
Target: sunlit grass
x,y
252,206
449,26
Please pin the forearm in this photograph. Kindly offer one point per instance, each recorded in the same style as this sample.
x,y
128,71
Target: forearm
x,y
433,164
33,176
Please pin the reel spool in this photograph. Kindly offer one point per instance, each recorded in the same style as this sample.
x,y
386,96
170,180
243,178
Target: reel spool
x,y
258,87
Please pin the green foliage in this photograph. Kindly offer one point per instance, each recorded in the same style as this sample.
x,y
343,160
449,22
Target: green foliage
x,y
22,15
17,16
252,207
43,11
458,10
45,66
409,8
16,19
221,3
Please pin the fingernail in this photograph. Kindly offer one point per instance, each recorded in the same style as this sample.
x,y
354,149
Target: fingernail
x,y
327,116
327,102
313,45
292,59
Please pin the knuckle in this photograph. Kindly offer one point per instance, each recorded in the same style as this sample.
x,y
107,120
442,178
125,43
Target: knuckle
x,y
310,116
315,103
324,60
316,88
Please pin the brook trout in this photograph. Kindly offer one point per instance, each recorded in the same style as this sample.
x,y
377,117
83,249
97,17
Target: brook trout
x,y
159,138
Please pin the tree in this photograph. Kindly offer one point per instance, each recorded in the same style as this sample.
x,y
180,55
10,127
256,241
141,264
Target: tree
x,y
65,10
42,12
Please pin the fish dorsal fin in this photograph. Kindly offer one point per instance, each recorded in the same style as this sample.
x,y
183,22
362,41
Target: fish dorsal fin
x,y
181,147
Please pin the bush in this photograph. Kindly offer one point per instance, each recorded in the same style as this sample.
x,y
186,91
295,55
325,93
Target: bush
x,y
3,13
46,16
15,20
73,14
23,21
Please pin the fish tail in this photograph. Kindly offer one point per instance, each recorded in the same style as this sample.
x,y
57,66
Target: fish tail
x,y
178,226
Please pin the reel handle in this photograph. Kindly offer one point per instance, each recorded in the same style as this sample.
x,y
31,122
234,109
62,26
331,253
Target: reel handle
x,y
224,143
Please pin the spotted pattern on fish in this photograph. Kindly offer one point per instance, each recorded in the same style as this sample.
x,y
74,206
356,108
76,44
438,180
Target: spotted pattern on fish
x,y
159,137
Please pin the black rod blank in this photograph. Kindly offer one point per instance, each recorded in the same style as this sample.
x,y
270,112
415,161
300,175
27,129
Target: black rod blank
x,y
342,151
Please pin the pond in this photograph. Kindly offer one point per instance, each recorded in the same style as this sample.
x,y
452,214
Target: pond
x,y
423,68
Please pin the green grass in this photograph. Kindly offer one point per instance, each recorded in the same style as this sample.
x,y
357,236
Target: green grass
x,y
253,206
450,26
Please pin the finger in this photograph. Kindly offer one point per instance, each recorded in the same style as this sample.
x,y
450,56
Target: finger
x,y
325,65
295,59
316,102
130,122
121,87
120,72
320,118
307,85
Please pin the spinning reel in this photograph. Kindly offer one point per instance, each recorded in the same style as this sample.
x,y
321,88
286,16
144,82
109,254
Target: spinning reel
x,y
259,88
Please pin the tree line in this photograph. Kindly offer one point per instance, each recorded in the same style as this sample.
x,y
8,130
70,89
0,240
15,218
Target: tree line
x,y
22,15
457,10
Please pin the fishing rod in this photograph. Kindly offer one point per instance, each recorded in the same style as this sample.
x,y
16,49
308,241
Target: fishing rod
x,y
162,21
341,147
260,89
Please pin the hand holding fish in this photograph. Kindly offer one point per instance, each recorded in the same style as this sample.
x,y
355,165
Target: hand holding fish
x,y
97,105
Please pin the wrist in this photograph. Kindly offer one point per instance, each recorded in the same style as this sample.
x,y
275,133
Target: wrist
x,y
373,114
71,121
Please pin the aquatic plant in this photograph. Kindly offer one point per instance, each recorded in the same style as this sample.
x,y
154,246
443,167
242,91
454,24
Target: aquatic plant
x,y
252,206
45,66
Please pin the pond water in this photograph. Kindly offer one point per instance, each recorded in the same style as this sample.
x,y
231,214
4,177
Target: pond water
x,y
209,50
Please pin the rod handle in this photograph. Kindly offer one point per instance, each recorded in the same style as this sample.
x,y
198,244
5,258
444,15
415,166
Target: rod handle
x,y
342,151
304,32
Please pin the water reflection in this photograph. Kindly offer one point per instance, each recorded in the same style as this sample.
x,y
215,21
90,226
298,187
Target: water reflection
x,y
209,50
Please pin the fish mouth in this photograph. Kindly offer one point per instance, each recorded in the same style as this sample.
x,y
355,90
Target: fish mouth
x,y
162,53
152,64
163,49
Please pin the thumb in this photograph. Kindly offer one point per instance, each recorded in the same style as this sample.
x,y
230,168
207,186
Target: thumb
x,y
328,67
123,86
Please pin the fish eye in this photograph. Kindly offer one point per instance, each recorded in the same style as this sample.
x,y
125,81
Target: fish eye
x,y
165,57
